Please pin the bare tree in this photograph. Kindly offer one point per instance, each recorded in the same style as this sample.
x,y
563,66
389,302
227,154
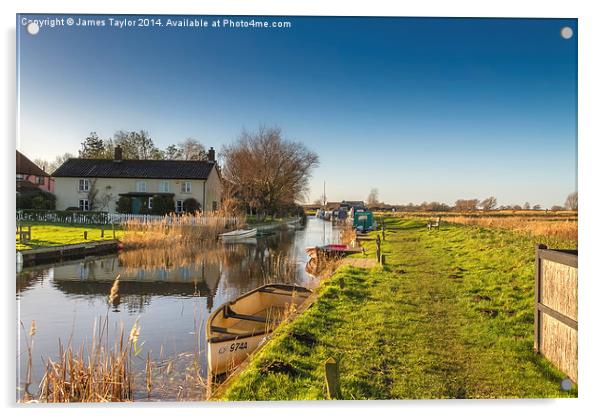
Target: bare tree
x,y
571,202
51,166
266,171
372,197
466,204
488,203
192,149
527,206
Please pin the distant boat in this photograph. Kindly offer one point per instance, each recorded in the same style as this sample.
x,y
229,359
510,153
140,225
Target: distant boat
x,y
238,234
237,328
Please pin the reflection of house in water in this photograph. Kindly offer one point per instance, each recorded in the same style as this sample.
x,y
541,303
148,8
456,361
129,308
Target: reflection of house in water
x,y
137,285
183,271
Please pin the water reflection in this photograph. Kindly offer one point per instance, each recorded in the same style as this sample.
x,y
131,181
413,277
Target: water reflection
x,y
171,291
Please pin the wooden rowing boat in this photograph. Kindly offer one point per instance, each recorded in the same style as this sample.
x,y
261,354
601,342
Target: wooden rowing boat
x,y
239,234
237,328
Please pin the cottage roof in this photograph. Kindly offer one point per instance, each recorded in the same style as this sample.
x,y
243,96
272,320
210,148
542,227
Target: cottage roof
x,y
143,169
27,167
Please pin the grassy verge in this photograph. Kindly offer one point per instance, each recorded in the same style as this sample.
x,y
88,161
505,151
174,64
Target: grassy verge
x,y
449,316
50,234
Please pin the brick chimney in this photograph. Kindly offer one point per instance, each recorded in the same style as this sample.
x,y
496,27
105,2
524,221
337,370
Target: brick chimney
x,y
118,153
211,155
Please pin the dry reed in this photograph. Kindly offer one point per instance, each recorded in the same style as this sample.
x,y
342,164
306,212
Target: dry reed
x,y
177,230
564,229
97,375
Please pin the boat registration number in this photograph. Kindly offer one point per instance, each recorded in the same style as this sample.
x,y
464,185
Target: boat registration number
x,y
235,346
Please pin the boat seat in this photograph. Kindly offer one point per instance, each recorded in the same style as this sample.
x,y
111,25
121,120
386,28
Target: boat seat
x,y
229,313
228,331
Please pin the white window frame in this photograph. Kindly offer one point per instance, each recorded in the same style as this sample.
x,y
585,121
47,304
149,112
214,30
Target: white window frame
x,y
186,187
84,205
20,177
139,187
83,185
164,186
180,202
150,202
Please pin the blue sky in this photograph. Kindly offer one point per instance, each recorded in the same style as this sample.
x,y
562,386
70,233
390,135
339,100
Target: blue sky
x,y
422,109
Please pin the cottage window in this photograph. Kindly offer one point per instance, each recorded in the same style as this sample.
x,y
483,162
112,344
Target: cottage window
x,y
164,186
84,185
150,202
40,180
84,205
140,186
179,205
20,177
186,187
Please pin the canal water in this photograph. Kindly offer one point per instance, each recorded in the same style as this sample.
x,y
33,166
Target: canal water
x,y
171,294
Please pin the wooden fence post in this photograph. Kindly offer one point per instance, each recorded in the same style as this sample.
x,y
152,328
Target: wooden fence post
x,y
537,324
377,248
113,228
102,231
333,386
85,235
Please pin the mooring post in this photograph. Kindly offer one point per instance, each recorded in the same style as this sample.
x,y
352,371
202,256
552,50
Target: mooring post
x,y
85,235
377,247
382,259
102,231
113,227
333,386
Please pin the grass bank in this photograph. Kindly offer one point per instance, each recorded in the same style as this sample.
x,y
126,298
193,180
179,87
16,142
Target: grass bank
x,y
449,316
52,234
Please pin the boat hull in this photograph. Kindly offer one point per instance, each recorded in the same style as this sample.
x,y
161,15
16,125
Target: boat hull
x,y
239,235
236,329
225,356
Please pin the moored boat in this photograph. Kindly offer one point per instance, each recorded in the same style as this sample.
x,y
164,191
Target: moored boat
x,y
237,328
239,234
332,250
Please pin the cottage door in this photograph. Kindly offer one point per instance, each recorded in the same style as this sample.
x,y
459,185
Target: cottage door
x,y
136,205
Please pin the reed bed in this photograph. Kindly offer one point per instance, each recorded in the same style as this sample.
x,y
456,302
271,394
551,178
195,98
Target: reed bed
x,y
99,374
550,215
178,230
565,229
96,374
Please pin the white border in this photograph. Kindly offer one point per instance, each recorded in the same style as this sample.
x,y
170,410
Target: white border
x,y
590,114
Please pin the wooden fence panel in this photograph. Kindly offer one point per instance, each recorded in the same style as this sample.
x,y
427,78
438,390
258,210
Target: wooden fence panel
x,y
556,327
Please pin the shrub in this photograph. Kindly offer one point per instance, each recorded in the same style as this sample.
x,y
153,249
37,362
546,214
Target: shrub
x,y
36,199
124,205
162,204
191,205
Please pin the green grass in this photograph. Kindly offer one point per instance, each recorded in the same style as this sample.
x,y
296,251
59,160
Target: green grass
x,y
449,316
52,234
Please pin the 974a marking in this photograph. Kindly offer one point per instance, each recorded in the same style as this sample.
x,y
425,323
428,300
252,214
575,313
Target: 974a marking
x,y
235,346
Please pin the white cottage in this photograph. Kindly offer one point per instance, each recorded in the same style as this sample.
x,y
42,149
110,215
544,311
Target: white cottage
x,y
100,184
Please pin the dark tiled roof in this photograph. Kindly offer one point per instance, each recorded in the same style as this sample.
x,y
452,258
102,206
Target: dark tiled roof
x,y
27,167
148,169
